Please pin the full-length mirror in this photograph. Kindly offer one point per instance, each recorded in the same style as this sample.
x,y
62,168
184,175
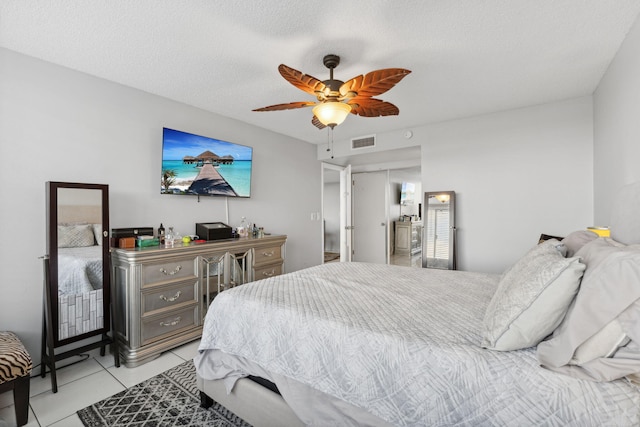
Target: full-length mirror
x,y
78,260
438,247
77,273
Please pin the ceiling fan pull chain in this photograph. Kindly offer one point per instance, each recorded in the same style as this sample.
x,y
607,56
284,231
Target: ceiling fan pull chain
x,y
331,131
328,142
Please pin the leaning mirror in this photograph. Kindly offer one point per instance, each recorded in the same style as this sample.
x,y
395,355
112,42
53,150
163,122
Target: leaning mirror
x,y
77,276
438,245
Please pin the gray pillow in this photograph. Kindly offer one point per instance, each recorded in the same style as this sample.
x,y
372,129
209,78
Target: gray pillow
x,y
609,291
577,240
593,253
531,299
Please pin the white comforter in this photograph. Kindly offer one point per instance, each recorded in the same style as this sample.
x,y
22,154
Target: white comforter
x,y
403,344
79,270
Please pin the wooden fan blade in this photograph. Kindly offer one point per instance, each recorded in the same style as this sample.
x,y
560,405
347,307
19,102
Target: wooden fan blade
x,y
289,106
373,83
371,107
302,81
317,123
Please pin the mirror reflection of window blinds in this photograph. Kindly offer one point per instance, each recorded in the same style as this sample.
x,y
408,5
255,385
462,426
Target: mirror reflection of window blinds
x,y
438,233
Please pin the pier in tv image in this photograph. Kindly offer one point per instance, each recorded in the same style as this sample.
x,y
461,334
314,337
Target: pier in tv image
x,y
199,165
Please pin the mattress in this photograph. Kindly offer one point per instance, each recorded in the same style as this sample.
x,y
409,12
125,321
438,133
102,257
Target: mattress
x,y
400,343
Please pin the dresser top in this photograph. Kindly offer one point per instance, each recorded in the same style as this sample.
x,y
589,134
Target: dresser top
x,y
193,248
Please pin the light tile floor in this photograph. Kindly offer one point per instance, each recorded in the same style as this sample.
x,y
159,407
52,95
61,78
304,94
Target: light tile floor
x,y
407,260
84,383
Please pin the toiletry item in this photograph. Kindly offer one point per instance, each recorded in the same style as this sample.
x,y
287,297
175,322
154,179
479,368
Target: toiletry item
x,y
161,234
168,239
243,228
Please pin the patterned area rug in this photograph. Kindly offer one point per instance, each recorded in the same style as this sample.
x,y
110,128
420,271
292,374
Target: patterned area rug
x,y
169,399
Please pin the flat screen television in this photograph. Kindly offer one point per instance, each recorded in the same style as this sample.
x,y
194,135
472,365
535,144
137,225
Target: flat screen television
x,y
407,193
202,166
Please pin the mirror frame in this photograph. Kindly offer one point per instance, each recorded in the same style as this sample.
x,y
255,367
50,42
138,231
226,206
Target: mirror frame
x,y
52,248
452,264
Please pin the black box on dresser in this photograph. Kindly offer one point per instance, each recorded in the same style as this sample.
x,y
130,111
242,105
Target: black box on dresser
x,y
213,231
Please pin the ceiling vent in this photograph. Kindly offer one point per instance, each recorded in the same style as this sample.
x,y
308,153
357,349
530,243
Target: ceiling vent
x,y
363,142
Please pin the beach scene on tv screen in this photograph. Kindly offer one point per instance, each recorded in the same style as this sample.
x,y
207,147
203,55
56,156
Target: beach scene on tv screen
x,y
199,165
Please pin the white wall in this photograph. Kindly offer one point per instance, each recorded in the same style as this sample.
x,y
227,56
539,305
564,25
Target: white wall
x,y
396,178
60,125
617,125
516,174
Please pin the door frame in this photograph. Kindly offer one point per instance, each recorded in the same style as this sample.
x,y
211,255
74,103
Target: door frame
x,y
346,235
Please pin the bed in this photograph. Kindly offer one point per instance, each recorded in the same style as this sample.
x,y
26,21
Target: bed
x,y
369,344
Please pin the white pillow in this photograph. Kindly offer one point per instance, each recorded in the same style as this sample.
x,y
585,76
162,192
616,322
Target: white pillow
x,y
532,298
75,236
603,344
97,231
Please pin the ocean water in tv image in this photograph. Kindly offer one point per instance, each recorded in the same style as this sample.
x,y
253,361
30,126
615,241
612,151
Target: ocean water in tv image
x,y
238,174
205,166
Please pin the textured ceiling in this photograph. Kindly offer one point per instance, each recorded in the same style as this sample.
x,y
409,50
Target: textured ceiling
x,y
467,57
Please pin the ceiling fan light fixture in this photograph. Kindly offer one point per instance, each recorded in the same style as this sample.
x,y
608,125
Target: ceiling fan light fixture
x,y
332,113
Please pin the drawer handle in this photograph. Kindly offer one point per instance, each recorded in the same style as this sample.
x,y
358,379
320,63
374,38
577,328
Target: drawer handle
x,y
269,274
171,273
268,253
172,323
173,298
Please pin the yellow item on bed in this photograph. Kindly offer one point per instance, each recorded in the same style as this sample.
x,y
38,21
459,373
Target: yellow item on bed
x,y
600,231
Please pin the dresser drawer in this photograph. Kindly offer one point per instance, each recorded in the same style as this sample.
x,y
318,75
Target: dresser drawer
x,y
265,255
157,327
268,271
175,269
158,298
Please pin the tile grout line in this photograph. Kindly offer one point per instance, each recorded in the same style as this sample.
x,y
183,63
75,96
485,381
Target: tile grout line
x,y
59,387
122,366
103,368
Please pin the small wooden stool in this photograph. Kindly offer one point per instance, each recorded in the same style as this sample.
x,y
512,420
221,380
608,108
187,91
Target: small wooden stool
x,y
15,370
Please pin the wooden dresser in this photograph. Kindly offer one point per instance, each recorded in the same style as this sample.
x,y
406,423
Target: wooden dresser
x,y
161,294
408,237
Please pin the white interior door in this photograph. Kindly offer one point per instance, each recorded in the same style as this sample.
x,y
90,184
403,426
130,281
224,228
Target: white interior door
x,y
369,213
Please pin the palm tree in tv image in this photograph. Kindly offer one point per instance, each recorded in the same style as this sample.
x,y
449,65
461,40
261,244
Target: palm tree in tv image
x,y
168,179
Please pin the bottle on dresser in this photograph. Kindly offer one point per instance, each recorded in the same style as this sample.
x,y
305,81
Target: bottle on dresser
x,y
161,234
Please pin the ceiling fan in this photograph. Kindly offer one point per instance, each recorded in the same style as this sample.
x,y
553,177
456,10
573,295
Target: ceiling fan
x,y
336,99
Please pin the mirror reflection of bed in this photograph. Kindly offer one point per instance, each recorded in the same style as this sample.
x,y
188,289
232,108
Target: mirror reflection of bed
x,y
80,264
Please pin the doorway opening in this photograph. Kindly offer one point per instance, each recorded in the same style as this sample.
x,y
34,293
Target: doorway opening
x,y
336,213
400,165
